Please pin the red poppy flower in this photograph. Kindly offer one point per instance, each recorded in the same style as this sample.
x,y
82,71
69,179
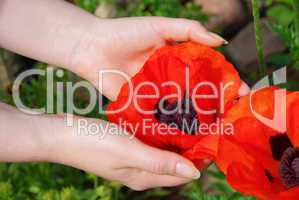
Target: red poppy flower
x,y
170,77
257,159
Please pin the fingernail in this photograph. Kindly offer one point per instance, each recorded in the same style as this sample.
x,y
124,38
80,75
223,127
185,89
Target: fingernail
x,y
187,171
218,37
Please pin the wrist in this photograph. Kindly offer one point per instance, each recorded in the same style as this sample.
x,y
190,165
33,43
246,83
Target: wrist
x,y
68,146
43,137
24,134
56,140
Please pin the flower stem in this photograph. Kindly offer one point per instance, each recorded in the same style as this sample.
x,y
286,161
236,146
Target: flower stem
x,y
296,12
258,37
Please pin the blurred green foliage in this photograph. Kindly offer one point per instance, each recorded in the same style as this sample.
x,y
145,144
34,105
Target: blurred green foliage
x,y
283,20
56,182
91,5
166,8
219,188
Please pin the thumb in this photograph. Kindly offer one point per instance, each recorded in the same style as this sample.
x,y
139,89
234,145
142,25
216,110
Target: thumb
x,y
186,30
162,162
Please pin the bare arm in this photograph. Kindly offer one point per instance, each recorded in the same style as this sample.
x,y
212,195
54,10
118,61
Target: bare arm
x,y
28,138
21,136
46,30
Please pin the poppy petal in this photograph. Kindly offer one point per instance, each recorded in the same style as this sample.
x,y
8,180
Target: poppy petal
x,y
292,117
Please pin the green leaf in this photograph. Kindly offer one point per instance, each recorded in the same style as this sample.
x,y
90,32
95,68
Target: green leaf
x,y
281,14
280,59
6,191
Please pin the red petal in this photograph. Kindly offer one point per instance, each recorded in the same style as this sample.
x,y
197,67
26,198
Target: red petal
x,y
292,117
230,152
291,194
250,180
262,102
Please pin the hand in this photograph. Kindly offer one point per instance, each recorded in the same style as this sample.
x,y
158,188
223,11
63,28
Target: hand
x,y
118,157
114,157
124,44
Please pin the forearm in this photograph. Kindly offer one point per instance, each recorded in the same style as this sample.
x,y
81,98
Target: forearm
x,y
34,138
51,31
21,139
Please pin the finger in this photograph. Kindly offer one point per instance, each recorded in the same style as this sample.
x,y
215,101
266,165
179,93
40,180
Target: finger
x,y
244,89
153,180
164,163
185,30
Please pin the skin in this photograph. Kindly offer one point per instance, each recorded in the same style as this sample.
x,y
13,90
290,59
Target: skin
x,y
61,34
109,158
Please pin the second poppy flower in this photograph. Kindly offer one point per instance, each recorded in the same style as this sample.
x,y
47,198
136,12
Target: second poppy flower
x,y
258,159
